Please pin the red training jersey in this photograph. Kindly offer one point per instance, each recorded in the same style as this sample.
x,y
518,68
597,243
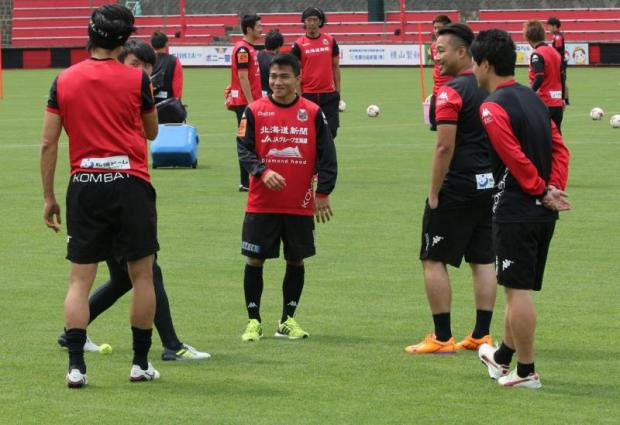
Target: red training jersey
x,y
244,57
546,62
294,141
316,57
100,103
438,79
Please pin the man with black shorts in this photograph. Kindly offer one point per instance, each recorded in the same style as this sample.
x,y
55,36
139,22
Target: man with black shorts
x,y
284,142
273,42
138,54
558,42
106,109
245,84
319,55
545,71
457,215
439,80
533,164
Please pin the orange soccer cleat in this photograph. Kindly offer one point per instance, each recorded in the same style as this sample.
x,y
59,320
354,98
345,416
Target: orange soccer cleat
x,y
470,343
430,345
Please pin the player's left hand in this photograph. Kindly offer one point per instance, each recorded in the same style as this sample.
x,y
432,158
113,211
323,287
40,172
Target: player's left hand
x,y
51,215
433,201
322,209
556,200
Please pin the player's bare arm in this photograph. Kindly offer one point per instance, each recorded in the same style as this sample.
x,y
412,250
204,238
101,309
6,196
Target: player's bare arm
x,y
444,150
52,127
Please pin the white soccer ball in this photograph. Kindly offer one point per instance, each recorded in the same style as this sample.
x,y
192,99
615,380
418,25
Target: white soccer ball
x,y
615,121
342,106
596,113
372,111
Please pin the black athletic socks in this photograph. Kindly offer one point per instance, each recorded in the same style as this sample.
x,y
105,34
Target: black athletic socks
x,y
525,369
163,318
253,288
76,338
141,346
483,324
504,354
443,332
292,286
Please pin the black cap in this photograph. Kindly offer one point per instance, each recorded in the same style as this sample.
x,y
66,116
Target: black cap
x,y
462,31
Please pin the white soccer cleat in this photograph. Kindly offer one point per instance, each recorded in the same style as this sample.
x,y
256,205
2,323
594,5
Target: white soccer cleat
x,y
532,381
76,379
486,354
138,374
90,346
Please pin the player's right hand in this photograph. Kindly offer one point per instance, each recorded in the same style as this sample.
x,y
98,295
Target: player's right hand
x,y
273,180
51,215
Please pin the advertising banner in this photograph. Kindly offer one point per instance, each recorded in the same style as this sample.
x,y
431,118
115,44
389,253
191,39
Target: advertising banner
x,y
576,53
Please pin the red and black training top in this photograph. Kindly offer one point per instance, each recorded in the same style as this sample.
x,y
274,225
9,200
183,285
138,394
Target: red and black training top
x,y
172,71
546,75
316,57
294,141
470,176
438,79
100,103
244,57
557,42
531,150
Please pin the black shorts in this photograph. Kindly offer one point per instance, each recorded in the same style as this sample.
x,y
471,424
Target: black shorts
x,y
431,114
110,214
521,253
262,233
451,234
329,104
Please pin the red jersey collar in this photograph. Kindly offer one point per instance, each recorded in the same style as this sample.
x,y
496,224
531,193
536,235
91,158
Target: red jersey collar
x,y
506,84
466,72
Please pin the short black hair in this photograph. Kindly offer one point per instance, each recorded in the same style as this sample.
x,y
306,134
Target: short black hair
x,y
273,40
249,21
442,19
460,31
286,59
496,47
139,49
110,26
314,11
159,40
554,21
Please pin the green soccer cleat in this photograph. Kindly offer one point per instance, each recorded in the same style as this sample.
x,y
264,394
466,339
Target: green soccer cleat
x,y
253,331
290,329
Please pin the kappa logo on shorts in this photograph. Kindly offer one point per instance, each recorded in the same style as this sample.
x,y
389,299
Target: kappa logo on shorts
x,y
506,264
437,239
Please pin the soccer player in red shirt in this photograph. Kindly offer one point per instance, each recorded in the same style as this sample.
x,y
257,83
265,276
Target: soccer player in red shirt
x,y
138,54
284,142
532,163
319,55
545,70
106,109
457,214
245,86
558,42
439,80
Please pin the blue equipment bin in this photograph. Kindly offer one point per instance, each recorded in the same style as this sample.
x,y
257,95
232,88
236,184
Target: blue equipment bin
x,y
176,145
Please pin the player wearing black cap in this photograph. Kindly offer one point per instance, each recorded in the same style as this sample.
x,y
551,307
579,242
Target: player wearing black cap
x,y
457,215
319,53
533,165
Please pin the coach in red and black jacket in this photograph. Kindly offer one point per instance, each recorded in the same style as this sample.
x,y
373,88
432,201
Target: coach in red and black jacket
x,y
545,71
319,55
528,196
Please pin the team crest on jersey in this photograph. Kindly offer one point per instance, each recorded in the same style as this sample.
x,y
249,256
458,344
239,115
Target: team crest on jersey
x,y
325,42
302,115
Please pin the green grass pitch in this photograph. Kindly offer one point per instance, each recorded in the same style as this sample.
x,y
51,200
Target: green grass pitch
x,y
364,299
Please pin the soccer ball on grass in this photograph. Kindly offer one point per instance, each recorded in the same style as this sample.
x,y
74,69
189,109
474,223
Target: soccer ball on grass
x,y
596,114
372,111
615,121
